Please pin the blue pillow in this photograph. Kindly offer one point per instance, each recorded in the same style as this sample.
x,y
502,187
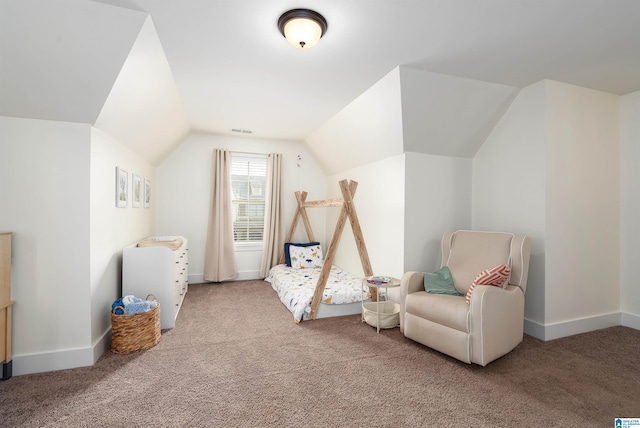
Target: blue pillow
x,y
440,282
287,257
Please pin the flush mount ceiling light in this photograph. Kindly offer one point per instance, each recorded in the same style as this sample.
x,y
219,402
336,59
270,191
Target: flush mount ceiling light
x,y
302,28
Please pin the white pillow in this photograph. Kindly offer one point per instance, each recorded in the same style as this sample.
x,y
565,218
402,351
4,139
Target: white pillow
x,y
306,257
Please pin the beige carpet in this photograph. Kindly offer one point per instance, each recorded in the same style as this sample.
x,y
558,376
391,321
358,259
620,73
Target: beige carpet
x,y
236,358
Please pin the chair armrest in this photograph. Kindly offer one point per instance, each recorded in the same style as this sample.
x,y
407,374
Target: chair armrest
x,y
497,321
410,283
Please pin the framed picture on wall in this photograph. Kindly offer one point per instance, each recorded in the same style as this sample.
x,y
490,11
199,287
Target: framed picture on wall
x,y
122,187
147,193
136,190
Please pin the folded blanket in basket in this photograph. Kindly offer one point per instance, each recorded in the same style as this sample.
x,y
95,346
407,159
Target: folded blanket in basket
x,y
126,300
115,309
137,307
132,305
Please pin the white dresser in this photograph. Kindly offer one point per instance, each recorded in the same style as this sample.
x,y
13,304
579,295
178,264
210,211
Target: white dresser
x,y
158,266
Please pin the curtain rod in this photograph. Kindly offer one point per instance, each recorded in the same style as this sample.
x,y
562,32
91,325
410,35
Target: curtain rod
x,y
249,153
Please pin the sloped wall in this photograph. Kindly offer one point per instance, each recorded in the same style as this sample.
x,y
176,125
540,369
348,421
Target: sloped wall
x,y
415,181
143,110
369,129
63,57
447,115
66,63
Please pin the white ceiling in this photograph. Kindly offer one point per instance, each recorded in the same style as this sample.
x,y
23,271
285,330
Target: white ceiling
x,y
233,69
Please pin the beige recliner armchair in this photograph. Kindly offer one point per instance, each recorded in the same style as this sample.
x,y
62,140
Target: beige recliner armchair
x,y
492,324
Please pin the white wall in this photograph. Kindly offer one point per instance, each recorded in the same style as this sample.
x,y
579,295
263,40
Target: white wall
x,y
582,205
112,228
44,201
555,153
509,185
379,203
404,203
57,195
437,199
630,207
184,182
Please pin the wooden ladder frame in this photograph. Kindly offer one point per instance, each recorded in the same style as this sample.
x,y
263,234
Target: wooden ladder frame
x,y
348,210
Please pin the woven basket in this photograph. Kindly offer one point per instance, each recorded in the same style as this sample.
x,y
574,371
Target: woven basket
x,y
137,332
389,316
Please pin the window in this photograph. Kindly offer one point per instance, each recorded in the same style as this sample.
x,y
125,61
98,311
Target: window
x,y
248,186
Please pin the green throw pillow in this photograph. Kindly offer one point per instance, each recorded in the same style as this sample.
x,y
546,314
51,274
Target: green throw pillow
x,y
440,282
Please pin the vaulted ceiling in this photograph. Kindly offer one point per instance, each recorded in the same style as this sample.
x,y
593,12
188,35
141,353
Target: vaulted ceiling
x,y
59,59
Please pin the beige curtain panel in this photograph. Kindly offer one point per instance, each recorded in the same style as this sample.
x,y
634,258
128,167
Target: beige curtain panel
x,y
220,256
273,238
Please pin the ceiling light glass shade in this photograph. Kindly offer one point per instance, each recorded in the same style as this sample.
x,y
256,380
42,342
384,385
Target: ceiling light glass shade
x,y
302,33
302,28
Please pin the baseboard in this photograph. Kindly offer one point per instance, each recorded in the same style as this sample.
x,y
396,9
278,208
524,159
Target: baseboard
x,y
248,274
631,320
196,278
102,345
569,328
63,359
533,328
242,276
51,361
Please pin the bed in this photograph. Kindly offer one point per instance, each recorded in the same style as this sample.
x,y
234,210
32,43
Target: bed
x,y
312,287
295,287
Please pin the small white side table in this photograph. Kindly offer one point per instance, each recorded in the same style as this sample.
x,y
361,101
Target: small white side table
x,y
392,282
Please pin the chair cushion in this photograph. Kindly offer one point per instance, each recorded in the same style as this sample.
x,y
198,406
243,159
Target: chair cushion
x,y
445,309
472,252
440,282
497,276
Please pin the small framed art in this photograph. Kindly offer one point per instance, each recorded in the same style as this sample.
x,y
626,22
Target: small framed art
x,y
122,187
136,190
147,193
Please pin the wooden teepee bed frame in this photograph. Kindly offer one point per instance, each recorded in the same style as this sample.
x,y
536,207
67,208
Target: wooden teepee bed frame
x,y
348,210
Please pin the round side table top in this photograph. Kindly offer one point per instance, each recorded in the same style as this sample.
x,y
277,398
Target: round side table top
x,y
378,281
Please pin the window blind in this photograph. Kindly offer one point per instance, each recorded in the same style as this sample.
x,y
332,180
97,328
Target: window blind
x,y
248,186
